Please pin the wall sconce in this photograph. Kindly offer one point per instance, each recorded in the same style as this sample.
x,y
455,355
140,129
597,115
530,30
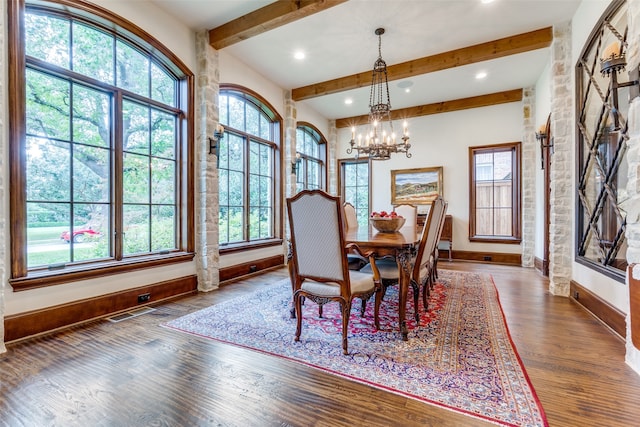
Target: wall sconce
x,y
295,164
612,62
214,146
541,136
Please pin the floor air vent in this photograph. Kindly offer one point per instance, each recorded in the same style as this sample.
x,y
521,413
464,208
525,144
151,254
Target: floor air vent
x,y
130,314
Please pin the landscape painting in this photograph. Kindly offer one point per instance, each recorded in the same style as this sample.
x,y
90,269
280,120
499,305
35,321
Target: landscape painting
x,y
416,186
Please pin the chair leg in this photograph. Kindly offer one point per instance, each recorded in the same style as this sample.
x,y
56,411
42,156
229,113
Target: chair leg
x,y
363,307
426,292
320,310
297,299
346,310
376,309
416,295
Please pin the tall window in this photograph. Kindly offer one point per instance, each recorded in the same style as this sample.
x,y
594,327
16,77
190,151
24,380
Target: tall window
x,y
98,147
495,193
602,115
354,187
311,155
248,153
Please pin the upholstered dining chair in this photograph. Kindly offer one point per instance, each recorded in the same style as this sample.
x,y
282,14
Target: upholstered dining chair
x,y
421,264
320,270
409,212
356,261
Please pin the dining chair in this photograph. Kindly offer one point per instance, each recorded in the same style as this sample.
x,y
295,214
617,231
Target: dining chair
x,y
422,262
320,270
436,249
356,261
409,212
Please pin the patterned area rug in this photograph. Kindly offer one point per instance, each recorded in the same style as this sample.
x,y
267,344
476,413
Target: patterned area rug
x,y
461,357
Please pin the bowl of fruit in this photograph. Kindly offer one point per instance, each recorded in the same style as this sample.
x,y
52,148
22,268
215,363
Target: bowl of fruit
x,y
386,222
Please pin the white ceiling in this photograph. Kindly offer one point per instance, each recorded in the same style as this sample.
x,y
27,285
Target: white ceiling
x,y
340,41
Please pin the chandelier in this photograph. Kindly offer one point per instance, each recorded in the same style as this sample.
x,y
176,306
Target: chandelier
x,y
380,140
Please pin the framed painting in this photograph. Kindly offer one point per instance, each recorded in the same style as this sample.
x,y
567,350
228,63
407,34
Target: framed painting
x,y
416,186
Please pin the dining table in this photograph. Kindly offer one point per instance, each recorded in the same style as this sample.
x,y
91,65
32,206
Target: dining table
x,y
401,245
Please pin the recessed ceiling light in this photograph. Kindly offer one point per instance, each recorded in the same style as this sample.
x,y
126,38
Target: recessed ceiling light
x,y
486,1
407,90
405,84
299,55
481,75
348,101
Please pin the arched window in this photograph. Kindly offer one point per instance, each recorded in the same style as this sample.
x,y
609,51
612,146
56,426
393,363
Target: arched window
x,y
98,137
247,169
311,157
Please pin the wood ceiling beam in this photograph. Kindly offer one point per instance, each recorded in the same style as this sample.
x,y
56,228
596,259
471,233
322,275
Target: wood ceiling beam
x,y
525,42
514,95
266,18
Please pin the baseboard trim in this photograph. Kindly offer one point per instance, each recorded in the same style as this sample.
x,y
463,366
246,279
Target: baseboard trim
x,y
599,308
538,264
36,322
488,257
248,269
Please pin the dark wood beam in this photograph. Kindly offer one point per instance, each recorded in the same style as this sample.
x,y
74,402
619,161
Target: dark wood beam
x,y
468,55
440,107
266,18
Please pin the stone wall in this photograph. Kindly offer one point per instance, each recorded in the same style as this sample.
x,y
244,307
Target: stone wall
x,y
206,173
562,165
529,164
633,159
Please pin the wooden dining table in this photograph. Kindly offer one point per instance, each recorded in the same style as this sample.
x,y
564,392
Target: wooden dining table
x,y
400,244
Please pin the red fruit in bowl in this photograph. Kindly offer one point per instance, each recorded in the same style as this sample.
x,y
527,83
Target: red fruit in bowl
x,y
393,214
383,213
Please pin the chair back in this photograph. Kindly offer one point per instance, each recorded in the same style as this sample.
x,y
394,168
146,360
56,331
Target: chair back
x,y
410,212
350,216
317,237
429,239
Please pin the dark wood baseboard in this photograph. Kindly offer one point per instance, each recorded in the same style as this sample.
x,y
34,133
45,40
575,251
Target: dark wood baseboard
x,y
541,265
51,318
247,269
602,310
538,264
488,257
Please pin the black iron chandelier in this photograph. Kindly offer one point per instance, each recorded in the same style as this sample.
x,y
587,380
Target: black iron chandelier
x,y
380,140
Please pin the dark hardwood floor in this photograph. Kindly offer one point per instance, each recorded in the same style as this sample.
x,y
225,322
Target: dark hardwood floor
x,y
135,373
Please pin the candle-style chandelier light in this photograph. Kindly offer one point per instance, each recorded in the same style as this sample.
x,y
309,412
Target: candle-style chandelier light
x,y
380,140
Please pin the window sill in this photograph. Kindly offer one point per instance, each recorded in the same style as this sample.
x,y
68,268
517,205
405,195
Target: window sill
x,y
43,278
493,239
244,246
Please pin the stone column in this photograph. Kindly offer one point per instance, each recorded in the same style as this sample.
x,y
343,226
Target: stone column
x,y
3,167
561,222
289,146
332,159
206,172
632,205
529,164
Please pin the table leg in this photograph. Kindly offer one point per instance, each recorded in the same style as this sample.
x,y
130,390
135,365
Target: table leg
x,y
403,258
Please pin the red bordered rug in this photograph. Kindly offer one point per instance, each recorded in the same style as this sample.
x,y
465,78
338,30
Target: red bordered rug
x,y
461,357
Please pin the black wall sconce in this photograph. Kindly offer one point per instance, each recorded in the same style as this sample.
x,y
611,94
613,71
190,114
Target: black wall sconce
x,y
541,136
214,142
612,62
295,164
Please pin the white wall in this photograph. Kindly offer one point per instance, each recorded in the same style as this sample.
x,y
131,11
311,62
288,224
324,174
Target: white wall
x,y
444,140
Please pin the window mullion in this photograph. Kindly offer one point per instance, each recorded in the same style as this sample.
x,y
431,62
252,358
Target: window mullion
x,y
118,181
